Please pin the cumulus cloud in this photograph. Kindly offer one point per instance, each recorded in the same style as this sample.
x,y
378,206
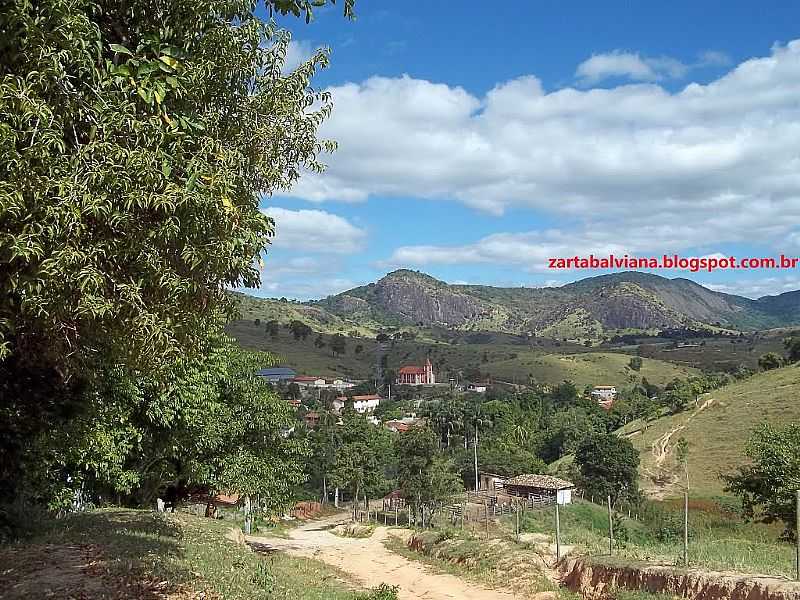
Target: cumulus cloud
x,y
315,231
634,66
627,64
756,288
677,169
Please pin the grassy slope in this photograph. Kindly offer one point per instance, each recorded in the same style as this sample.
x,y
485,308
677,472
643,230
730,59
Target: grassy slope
x,y
184,555
717,435
588,368
719,540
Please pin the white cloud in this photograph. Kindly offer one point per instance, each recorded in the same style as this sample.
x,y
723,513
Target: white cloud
x,y
646,167
297,53
616,64
756,288
634,66
314,231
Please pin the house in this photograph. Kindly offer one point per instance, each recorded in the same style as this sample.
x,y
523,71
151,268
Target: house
x,y
540,488
276,374
312,419
309,381
394,501
397,426
479,388
604,395
491,481
362,404
413,375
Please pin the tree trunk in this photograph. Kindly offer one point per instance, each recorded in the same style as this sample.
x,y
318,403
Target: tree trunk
x,y
336,497
324,490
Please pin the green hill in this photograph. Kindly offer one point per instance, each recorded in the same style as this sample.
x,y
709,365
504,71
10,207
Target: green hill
x,y
716,430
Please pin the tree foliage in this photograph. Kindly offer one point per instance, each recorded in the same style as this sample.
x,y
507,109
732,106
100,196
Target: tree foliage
x,y
767,487
609,467
136,141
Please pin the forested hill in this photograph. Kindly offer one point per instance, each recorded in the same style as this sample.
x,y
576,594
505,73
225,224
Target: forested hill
x,y
591,308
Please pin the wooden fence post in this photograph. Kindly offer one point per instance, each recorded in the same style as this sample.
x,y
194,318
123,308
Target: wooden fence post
x,y
686,529
486,517
797,536
516,515
610,529
395,515
558,535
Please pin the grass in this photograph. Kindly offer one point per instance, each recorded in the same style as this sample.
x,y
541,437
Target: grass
x,y
717,435
183,555
718,539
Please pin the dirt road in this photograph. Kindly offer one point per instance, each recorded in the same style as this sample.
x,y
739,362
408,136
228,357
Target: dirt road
x,y
368,560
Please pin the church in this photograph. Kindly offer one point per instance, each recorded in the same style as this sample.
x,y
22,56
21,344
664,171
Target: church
x,y
413,375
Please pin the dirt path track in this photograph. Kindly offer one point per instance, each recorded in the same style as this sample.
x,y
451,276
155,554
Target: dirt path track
x,y
368,560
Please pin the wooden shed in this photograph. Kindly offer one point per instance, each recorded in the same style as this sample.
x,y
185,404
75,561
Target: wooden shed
x,y
540,488
394,500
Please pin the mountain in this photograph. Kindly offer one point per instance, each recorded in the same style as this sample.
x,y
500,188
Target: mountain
x,y
588,309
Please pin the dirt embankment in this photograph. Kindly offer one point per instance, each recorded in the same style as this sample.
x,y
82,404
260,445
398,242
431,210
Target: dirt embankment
x,y
599,582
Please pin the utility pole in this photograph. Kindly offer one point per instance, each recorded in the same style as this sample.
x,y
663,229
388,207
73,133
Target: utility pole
x,y
610,529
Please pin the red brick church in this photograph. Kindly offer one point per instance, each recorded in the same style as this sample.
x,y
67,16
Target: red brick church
x,y
413,375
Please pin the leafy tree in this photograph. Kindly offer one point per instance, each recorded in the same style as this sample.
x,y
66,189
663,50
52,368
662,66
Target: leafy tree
x,y
635,363
609,467
769,361
215,425
338,344
792,345
362,456
272,328
424,477
131,170
767,486
299,329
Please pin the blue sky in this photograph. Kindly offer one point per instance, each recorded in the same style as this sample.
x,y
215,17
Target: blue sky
x,y
476,142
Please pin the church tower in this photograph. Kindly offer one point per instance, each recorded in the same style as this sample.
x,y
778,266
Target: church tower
x,y
429,378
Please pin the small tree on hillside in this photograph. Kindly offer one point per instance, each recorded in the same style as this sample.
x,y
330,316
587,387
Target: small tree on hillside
x,y
609,467
769,361
767,486
338,344
792,345
635,363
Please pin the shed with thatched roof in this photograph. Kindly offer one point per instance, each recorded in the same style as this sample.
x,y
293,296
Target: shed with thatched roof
x,y
540,487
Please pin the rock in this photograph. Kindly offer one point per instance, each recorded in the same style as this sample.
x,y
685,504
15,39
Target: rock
x,y
235,535
545,596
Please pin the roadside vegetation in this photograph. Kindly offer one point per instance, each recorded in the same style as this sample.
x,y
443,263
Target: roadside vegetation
x,y
141,554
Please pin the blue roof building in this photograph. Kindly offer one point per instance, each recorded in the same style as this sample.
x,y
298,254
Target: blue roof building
x,y
276,374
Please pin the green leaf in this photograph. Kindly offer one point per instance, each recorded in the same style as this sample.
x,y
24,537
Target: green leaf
x,y
119,48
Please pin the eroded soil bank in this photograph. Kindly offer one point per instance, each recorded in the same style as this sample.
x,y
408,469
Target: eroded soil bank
x,y
597,581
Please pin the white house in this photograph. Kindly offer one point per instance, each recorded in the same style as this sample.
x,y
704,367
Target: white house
x,y
479,388
604,395
361,404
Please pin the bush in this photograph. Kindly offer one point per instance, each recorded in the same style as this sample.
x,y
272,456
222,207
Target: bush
x,y
382,592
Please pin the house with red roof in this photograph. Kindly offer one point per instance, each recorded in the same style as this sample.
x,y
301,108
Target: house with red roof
x,y
414,375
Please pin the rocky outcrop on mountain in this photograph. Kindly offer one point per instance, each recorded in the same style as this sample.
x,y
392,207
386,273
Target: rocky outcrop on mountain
x,y
590,308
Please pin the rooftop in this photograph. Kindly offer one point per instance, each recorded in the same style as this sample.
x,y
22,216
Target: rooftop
x,y
545,482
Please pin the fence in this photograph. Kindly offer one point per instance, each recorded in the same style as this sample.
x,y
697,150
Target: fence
x,y
480,511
